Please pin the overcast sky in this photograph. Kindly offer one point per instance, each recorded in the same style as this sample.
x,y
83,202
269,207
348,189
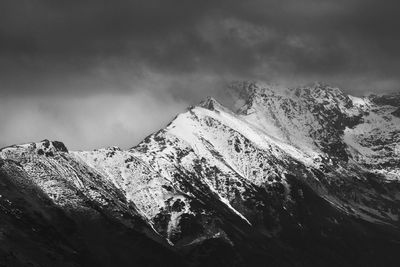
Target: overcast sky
x,y
95,73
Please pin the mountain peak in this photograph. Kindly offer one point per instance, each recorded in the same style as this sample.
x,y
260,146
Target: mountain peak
x,y
259,91
319,90
42,147
247,90
212,104
387,99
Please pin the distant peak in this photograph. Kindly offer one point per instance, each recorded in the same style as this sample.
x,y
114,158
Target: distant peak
x,y
318,90
242,87
57,145
250,88
114,148
211,104
392,99
251,91
41,147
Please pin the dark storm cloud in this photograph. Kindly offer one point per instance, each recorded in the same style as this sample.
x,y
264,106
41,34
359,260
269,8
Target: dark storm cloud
x,y
172,53
45,41
48,41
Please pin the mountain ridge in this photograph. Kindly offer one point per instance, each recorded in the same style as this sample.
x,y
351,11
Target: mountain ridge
x,y
306,163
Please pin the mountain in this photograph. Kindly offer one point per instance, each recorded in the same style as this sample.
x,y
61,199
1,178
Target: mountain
x,y
308,176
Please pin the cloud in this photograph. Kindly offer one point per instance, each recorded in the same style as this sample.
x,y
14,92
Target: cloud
x,y
86,123
45,42
182,51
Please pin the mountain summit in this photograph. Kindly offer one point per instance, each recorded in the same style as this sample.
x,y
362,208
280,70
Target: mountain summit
x,y
308,176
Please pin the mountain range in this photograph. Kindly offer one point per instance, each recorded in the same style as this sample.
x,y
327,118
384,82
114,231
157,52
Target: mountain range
x,y
306,176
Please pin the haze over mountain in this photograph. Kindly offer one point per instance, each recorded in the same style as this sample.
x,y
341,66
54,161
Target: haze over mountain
x,y
308,176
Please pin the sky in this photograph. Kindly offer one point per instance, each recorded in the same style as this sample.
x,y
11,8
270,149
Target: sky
x,y
96,73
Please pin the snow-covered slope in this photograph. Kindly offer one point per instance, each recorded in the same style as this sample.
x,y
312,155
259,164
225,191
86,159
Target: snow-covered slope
x,y
57,211
302,132
308,161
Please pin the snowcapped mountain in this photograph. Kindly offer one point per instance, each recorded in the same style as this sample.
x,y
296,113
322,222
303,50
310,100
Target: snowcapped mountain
x,y
307,176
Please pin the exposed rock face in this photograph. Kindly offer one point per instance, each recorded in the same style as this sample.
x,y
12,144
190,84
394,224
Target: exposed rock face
x,y
396,113
296,177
